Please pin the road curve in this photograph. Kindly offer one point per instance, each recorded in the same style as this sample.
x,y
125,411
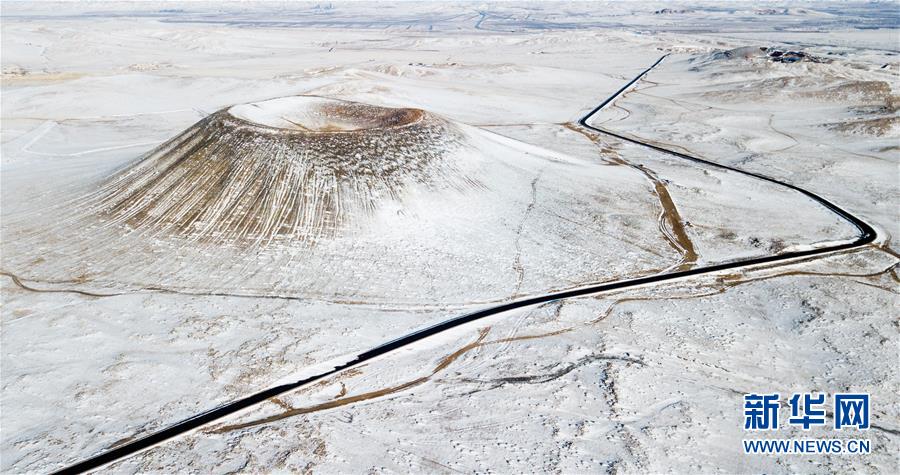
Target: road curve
x,y
866,236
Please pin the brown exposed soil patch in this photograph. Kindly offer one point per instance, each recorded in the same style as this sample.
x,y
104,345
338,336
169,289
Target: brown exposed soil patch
x,y
827,89
878,126
372,116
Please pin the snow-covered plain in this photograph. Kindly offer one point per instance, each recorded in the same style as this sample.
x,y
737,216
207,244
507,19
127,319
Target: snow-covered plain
x,y
117,323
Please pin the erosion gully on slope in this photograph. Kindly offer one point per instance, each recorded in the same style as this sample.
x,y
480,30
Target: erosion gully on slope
x,y
866,236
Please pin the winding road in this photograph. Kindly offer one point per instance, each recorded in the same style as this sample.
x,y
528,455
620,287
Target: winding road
x,y
866,236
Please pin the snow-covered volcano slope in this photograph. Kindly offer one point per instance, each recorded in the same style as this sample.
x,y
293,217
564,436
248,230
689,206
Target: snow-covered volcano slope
x,y
288,171
314,197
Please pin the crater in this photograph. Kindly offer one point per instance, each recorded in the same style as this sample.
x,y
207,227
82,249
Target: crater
x,y
320,115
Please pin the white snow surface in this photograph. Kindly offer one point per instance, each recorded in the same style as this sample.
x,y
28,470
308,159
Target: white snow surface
x,y
111,332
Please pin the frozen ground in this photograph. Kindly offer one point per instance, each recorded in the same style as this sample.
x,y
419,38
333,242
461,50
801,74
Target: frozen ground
x,y
126,308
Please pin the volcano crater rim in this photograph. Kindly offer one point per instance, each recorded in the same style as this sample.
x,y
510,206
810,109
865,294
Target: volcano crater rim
x,y
320,115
